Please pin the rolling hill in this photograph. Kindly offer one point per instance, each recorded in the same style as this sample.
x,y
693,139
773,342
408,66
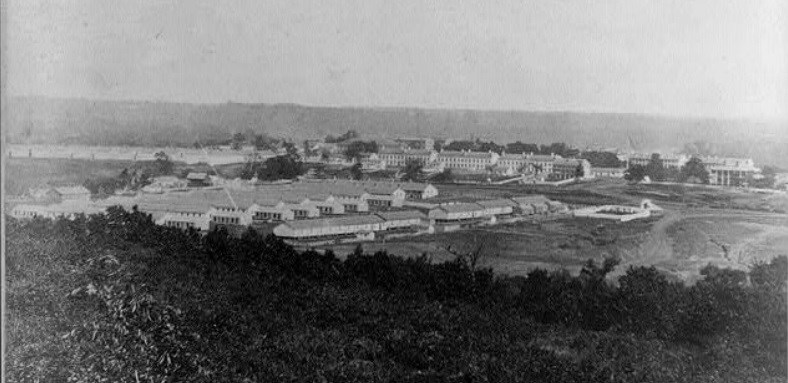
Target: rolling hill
x,y
51,120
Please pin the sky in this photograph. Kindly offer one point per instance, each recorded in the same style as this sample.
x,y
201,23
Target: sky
x,y
709,58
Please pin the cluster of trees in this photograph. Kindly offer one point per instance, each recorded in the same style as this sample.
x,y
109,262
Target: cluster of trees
x,y
349,135
693,171
238,139
275,168
444,177
474,146
769,174
357,148
134,179
412,170
130,300
131,179
603,159
163,164
557,148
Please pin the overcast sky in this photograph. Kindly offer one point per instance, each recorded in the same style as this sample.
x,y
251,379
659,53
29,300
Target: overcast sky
x,y
714,58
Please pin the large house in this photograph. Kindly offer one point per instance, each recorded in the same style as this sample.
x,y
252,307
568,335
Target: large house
x,y
568,168
729,171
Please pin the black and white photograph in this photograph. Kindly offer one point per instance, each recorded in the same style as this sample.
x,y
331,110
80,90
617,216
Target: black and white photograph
x,y
394,191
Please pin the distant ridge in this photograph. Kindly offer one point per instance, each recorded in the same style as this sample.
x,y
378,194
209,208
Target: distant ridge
x,y
102,122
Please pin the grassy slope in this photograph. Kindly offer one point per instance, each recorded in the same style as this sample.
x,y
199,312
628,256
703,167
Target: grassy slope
x,y
25,173
90,306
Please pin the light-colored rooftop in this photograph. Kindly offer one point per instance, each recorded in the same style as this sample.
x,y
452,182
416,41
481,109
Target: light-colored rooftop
x,y
197,176
349,220
460,207
401,214
501,202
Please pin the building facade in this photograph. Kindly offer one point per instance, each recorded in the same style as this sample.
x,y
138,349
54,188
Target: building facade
x,y
468,160
729,171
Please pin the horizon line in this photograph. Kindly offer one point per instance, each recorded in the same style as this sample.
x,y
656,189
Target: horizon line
x,y
761,119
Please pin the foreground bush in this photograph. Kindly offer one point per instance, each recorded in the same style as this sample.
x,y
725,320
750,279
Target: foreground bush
x,y
117,298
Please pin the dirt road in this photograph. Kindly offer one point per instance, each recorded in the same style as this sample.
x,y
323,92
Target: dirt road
x,y
658,248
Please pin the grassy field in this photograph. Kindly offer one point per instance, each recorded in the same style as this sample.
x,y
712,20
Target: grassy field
x,y
25,173
515,249
700,225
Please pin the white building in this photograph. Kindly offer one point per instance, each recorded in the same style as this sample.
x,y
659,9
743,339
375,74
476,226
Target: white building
x,y
608,172
497,207
402,219
537,164
324,228
729,171
468,160
456,213
399,158
669,160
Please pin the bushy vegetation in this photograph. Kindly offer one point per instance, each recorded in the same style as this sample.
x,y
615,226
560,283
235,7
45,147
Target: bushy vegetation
x,y
356,149
275,168
116,298
603,159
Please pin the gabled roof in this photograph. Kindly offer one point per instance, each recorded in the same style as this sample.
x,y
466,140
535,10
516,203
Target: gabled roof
x,y
386,188
413,186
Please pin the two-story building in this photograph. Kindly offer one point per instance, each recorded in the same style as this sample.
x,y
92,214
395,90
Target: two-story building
x,y
729,171
467,160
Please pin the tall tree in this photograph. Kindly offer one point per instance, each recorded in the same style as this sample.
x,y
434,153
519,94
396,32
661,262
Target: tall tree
x,y
694,171
355,171
635,173
655,169
412,169
238,140
163,163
